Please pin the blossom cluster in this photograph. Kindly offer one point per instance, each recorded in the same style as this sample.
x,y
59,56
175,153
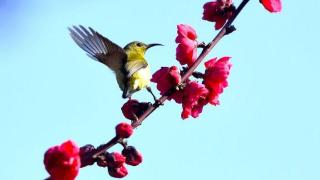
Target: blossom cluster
x,y
219,11
64,161
192,94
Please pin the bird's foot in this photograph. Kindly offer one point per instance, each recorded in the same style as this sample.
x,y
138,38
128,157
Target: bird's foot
x,y
156,101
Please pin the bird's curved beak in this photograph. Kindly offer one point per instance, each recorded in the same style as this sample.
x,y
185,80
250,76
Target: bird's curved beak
x,y
153,44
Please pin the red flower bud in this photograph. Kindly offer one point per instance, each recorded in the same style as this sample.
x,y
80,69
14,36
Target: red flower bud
x,y
133,157
119,172
115,159
84,150
133,109
124,130
63,162
272,5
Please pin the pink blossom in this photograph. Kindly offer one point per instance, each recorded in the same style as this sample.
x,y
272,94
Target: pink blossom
x,y
185,31
272,5
63,162
186,52
166,78
194,98
215,77
218,11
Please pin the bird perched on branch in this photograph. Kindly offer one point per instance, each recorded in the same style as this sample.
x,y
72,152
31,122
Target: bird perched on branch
x,y
129,65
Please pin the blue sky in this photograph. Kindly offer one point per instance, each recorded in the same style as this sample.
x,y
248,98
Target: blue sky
x,y
267,126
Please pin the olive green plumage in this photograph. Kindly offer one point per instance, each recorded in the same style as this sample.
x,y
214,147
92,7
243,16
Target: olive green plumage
x,y
129,65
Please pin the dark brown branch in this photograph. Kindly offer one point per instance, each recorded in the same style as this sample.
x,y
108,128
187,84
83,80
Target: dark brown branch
x,y
227,29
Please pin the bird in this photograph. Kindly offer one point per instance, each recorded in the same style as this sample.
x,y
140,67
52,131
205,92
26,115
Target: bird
x,y
129,64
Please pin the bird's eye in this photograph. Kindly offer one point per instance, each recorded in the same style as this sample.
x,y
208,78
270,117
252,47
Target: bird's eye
x,y
139,44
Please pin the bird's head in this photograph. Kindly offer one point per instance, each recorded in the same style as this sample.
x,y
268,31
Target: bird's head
x,y
138,47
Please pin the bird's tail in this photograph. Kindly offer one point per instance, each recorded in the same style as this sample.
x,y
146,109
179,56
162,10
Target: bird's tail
x,y
126,93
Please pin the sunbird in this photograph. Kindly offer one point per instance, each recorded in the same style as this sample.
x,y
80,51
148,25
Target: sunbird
x,y
129,64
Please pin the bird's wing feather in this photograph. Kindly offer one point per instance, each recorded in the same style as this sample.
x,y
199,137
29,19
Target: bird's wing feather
x,y
134,66
99,47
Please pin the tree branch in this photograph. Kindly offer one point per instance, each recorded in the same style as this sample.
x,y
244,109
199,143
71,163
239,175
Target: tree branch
x,y
227,28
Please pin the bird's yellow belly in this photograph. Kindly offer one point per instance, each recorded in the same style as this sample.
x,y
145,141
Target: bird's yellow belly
x,y
140,79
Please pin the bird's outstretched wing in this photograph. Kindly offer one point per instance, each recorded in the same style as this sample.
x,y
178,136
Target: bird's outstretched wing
x,y
99,47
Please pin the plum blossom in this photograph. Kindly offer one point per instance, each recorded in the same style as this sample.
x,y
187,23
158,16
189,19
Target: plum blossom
x,y
218,11
186,52
63,161
194,98
215,77
166,78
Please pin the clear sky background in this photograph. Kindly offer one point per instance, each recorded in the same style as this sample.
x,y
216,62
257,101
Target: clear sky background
x,y
266,128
